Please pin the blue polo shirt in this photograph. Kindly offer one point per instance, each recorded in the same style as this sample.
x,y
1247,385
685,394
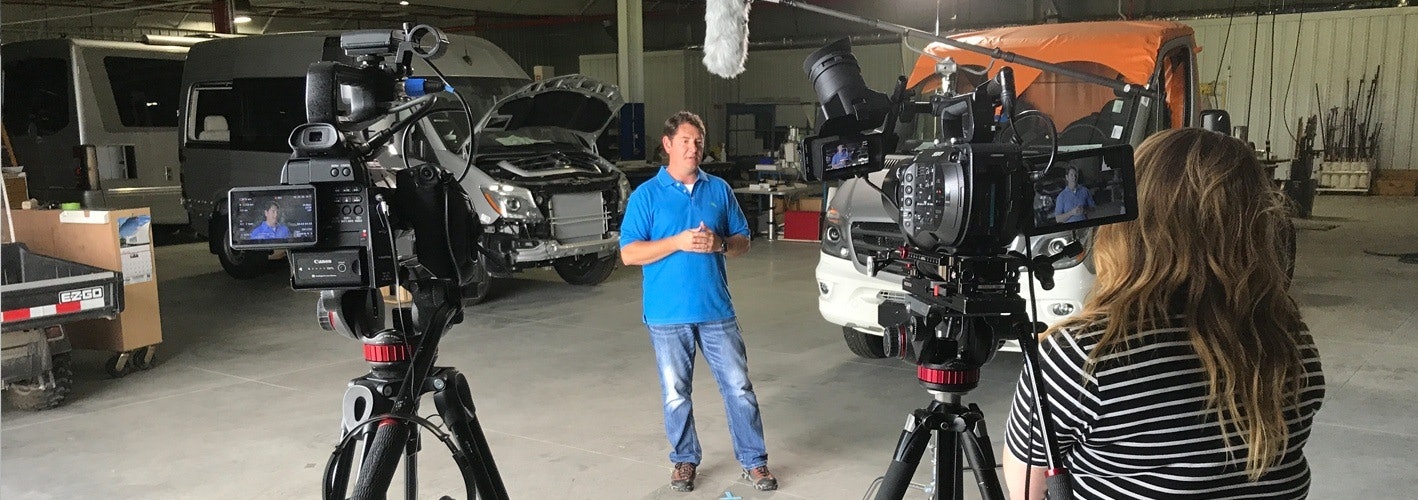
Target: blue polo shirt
x,y
1071,199
683,287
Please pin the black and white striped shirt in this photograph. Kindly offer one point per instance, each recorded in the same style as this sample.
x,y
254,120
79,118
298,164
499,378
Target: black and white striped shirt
x,y
1138,427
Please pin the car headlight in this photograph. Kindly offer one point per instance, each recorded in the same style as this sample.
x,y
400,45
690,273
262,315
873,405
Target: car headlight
x,y
834,235
512,202
624,185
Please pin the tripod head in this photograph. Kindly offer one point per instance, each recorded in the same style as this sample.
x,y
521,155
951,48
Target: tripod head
x,y
958,311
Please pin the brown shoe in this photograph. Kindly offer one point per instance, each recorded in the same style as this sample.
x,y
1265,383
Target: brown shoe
x,y
761,478
682,479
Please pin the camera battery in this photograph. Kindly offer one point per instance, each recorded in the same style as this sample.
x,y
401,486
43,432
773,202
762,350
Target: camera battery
x,y
327,269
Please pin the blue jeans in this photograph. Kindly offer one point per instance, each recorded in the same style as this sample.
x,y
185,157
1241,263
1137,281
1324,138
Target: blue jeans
x,y
723,349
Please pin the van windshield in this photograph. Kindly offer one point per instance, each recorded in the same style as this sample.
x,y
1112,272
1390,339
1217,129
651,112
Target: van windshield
x,y
452,127
482,92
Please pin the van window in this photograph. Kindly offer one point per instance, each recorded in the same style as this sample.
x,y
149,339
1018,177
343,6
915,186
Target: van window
x,y
268,109
146,90
213,108
36,96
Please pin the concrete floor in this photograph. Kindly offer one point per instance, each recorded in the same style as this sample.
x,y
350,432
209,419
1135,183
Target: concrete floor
x,y
245,400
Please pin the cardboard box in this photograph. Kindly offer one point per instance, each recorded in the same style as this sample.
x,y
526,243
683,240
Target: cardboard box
x,y
16,190
1396,187
117,240
808,204
802,226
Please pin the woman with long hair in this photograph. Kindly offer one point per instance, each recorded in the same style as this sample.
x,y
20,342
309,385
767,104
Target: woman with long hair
x,y
1188,373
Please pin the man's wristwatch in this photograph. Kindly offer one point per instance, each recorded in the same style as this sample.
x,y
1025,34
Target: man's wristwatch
x,y
723,245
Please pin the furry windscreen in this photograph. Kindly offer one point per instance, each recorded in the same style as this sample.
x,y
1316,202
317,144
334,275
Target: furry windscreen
x,y
726,36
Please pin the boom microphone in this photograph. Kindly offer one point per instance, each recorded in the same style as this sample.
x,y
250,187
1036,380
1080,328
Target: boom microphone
x,y
726,36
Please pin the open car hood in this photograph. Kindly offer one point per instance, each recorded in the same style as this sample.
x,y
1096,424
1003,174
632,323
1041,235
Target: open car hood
x,y
576,103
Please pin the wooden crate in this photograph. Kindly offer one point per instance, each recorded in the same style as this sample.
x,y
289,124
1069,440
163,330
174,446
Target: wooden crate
x,y
1396,183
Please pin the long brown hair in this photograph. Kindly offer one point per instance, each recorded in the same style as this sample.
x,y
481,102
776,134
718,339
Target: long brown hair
x,y
1207,244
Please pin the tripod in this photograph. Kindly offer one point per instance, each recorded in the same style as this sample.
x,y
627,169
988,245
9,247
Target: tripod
x,y
950,328
959,431
380,408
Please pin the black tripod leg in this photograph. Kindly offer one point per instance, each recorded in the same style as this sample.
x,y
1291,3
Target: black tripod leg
x,y
455,404
947,466
907,457
411,474
977,452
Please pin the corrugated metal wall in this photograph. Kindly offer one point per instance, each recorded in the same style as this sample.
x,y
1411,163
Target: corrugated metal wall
x,y
1327,49
674,81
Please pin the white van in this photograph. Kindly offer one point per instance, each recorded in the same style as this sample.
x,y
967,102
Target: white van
x,y
96,122
540,188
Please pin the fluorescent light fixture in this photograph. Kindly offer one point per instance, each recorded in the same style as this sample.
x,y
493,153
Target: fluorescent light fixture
x,y
242,19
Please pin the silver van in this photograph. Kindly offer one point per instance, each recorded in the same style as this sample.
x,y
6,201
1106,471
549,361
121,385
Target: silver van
x,y
96,122
536,181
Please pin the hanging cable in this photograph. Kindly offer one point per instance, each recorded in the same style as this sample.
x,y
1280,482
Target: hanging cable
x,y
1299,25
1216,82
1270,79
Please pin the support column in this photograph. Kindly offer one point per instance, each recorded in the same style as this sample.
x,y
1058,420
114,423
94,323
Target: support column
x,y
630,53
630,71
223,12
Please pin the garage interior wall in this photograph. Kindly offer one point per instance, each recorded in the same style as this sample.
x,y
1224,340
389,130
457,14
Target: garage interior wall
x,y
1324,48
676,79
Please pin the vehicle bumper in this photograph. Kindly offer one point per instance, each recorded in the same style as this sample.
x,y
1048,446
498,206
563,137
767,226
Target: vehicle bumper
x,y
1065,300
545,250
849,298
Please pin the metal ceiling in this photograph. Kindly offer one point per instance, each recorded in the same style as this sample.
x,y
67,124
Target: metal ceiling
x,y
679,17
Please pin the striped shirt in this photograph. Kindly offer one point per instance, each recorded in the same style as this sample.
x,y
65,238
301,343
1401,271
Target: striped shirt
x,y
1138,427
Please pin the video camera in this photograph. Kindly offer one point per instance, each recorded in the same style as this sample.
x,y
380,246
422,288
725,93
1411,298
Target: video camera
x,y
337,220
960,200
966,193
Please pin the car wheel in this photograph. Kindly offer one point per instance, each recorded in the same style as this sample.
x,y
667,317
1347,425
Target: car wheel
x,y
478,292
586,269
863,344
240,264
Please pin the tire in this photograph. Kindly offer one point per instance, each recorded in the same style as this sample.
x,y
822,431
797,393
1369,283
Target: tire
x,y
242,265
587,269
863,344
34,397
475,294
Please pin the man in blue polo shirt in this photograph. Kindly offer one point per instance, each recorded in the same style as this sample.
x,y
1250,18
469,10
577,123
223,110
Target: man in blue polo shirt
x,y
679,226
1075,201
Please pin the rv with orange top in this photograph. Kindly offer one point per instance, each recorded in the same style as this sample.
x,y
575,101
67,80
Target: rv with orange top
x,y
1160,55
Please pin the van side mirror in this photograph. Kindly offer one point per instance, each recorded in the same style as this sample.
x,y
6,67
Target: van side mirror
x,y
1216,120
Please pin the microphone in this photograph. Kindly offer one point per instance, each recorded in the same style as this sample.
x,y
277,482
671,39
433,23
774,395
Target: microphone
x,y
726,36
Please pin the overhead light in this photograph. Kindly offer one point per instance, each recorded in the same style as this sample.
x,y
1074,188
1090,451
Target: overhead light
x,y
403,2
242,19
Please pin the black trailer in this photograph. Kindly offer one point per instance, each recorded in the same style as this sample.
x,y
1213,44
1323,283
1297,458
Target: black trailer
x,y
38,295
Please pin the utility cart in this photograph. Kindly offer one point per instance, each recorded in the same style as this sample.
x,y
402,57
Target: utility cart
x,y
38,295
